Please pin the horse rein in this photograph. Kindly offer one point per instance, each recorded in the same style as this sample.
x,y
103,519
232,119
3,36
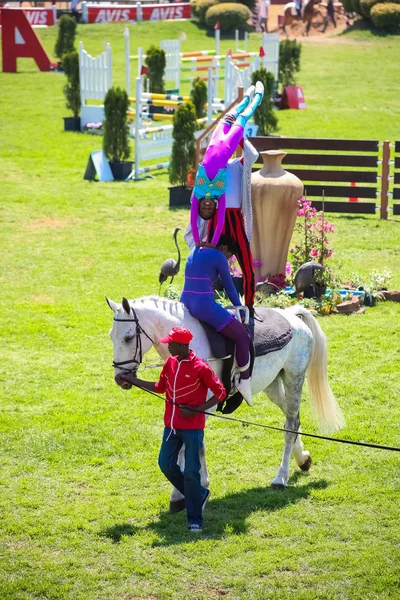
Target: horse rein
x,y
138,348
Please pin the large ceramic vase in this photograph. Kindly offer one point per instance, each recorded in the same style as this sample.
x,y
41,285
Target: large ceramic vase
x,y
274,193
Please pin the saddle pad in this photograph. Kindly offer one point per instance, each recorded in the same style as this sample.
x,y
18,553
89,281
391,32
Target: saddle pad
x,y
269,329
272,331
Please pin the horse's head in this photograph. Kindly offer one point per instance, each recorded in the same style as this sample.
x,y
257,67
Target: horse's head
x,y
129,338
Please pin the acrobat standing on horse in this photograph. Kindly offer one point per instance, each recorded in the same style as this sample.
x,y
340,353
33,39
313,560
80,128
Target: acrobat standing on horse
x,y
228,210
208,261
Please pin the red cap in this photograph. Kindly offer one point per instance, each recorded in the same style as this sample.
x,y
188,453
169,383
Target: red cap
x,y
179,335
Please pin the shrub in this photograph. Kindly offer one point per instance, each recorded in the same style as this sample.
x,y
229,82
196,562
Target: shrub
x,y
202,8
194,5
198,95
229,15
249,3
264,116
116,131
355,7
347,5
155,61
183,148
289,61
72,89
386,15
66,36
366,6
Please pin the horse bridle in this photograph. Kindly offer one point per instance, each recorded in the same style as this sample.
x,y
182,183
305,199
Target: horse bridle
x,y
138,349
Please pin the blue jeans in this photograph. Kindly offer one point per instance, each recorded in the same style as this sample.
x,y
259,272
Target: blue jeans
x,y
188,482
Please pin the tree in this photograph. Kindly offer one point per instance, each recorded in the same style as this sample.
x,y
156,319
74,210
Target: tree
x,y
183,148
72,89
116,131
66,36
264,116
155,61
198,95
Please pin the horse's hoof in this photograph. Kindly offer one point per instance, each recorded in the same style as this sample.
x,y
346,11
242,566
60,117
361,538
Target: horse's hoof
x,y
177,506
306,465
278,486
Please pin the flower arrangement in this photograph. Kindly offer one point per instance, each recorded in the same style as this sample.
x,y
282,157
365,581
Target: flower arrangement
x,y
315,243
93,127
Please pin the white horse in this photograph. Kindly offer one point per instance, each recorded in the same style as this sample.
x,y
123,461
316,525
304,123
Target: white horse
x,y
139,324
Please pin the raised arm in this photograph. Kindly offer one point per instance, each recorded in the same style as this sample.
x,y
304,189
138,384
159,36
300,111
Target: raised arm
x,y
220,219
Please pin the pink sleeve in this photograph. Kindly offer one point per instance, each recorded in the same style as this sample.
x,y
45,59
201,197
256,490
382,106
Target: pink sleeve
x,y
194,213
220,219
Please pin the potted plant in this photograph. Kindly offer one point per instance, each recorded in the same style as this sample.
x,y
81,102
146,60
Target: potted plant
x,y
66,39
264,116
198,95
155,61
183,154
72,91
116,133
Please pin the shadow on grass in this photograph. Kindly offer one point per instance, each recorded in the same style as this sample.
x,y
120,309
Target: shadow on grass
x,y
224,516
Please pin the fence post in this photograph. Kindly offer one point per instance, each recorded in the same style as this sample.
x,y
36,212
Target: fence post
x,y
210,96
385,180
138,105
127,61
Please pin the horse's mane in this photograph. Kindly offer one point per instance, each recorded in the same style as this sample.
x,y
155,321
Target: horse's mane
x,y
174,307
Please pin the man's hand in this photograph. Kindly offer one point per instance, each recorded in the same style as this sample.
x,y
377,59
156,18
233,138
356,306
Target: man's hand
x,y
186,412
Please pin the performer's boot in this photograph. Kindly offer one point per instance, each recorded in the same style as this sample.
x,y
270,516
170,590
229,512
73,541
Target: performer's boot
x,y
247,98
254,104
244,387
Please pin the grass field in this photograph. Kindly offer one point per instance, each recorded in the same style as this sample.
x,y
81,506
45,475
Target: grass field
x,y
83,505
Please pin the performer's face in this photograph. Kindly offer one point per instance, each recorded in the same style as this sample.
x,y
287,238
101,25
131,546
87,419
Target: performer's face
x,y
206,209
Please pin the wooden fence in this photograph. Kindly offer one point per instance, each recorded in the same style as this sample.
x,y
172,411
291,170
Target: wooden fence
x,y
396,179
333,169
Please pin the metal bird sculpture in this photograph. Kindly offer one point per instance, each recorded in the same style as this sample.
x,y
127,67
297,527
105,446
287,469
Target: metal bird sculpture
x,y
170,267
305,277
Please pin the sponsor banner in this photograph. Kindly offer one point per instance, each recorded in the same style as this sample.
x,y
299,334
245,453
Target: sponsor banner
x,y
162,12
43,17
152,12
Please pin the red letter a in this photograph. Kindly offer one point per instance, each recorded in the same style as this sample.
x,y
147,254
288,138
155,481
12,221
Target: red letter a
x,y
20,41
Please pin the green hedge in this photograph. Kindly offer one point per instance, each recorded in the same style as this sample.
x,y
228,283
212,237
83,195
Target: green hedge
x,y
194,5
386,15
229,15
355,7
202,7
347,5
366,6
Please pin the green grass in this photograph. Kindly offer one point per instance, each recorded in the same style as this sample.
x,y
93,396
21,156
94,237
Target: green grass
x,y
83,505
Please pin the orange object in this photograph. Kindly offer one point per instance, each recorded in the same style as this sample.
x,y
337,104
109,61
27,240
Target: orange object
x,y
353,199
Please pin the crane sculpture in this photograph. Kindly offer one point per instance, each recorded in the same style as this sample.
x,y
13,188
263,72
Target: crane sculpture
x,y
305,277
170,267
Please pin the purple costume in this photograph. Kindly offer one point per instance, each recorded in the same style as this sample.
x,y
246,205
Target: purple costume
x,y
211,174
203,267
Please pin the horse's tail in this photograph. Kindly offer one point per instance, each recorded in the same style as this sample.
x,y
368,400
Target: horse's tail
x,y
323,402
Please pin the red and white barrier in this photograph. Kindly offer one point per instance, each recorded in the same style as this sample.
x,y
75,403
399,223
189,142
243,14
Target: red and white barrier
x,y
38,17
95,13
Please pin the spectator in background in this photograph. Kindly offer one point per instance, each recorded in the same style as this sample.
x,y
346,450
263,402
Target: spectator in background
x,y
264,10
74,9
330,14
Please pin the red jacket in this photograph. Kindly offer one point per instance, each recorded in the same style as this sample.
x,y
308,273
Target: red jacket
x,y
187,382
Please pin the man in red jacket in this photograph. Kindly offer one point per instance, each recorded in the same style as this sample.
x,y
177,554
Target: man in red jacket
x,y
185,379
